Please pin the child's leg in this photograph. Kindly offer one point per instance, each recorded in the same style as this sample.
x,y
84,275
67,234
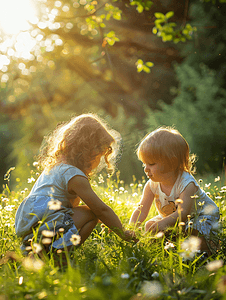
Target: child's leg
x,y
85,221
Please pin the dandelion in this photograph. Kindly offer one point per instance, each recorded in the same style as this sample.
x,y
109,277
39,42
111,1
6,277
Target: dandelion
x,y
48,233
221,286
32,264
124,275
151,288
75,239
214,265
190,246
54,204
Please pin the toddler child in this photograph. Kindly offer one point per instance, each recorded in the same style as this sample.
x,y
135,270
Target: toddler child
x,y
69,156
168,165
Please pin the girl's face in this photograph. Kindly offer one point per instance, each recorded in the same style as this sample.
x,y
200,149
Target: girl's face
x,y
96,161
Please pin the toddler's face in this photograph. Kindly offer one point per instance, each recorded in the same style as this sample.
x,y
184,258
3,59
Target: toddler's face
x,y
155,170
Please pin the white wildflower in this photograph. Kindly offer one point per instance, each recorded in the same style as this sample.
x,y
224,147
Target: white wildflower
x,y
32,264
207,185
134,194
75,239
124,275
151,288
46,241
37,248
159,235
190,246
217,179
54,204
214,265
168,246
48,233
155,275
30,180
201,203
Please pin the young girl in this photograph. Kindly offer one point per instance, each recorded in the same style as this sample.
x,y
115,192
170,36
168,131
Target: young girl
x,y
70,155
168,165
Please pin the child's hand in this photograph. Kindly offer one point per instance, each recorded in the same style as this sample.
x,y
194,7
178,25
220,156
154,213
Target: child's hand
x,y
157,226
130,236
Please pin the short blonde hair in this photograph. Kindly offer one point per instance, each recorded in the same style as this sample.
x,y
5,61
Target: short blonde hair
x,y
78,142
167,145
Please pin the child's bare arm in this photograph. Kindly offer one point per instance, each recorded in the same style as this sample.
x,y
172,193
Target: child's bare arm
x,y
185,209
80,185
141,212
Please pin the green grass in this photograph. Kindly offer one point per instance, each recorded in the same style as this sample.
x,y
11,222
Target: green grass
x,y
106,267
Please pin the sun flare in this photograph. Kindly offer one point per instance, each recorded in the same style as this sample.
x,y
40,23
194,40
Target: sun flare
x,y
16,15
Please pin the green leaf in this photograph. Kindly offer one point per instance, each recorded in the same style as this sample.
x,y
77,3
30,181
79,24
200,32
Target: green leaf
x,y
140,8
146,69
159,15
139,62
149,64
111,34
169,14
110,42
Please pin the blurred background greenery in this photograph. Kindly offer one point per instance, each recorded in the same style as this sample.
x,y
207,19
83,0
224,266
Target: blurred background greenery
x,y
72,57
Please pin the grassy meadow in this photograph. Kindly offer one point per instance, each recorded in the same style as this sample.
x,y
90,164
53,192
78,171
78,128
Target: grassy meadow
x,y
105,267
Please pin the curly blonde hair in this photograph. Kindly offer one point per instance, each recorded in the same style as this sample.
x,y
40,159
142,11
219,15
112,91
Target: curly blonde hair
x,y
78,142
167,145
